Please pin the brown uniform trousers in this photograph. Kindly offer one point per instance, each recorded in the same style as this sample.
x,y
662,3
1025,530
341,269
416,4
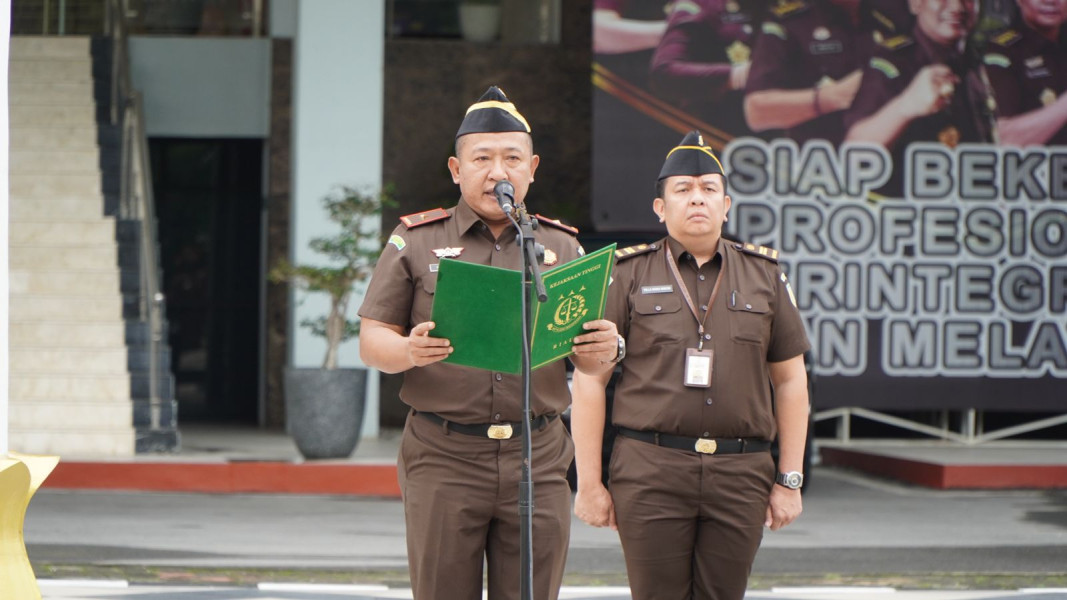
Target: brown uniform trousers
x,y
690,524
479,478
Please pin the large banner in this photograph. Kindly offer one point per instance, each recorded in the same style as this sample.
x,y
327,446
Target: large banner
x,y
908,158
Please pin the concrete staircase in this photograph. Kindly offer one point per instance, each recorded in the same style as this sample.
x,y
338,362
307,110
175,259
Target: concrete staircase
x,y
70,377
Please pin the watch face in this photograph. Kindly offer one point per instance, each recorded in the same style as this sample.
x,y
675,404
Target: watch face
x,y
791,480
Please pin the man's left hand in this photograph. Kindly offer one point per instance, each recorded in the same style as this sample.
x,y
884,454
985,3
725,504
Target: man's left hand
x,y
785,506
600,343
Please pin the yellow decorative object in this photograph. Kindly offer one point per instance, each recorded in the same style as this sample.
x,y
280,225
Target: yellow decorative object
x,y
20,477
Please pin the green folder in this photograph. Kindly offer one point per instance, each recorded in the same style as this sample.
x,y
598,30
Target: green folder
x,y
478,308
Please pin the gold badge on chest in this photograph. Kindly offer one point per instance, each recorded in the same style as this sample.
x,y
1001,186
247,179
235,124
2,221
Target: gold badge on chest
x,y
949,136
738,52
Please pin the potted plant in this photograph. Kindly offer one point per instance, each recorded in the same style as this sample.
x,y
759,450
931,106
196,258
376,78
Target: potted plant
x,y
479,20
324,406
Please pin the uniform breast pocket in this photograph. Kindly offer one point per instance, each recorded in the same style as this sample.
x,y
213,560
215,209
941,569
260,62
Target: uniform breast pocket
x,y
750,317
424,291
656,319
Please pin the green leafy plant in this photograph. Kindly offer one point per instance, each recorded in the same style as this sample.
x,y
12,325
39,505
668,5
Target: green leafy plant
x,y
352,253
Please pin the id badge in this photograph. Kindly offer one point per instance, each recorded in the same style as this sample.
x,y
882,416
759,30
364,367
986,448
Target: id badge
x,y
698,367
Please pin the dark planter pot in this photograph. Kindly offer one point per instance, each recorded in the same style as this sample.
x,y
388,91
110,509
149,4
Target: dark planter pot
x,y
324,410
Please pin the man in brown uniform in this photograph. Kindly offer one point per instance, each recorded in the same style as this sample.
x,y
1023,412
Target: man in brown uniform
x,y
702,62
923,88
807,63
1027,67
710,329
461,452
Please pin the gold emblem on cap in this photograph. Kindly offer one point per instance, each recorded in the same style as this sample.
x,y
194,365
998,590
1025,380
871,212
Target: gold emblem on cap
x,y
447,252
732,6
738,53
821,33
1047,97
949,136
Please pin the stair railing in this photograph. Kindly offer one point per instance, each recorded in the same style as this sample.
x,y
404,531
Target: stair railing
x,y
136,200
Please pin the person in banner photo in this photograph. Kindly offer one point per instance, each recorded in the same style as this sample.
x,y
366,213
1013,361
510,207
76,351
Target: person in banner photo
x,y
1027,67
929,86
461,452
702,62
625,26
808,61
713,373
627,118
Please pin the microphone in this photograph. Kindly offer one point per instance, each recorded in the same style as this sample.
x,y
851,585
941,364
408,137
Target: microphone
x,y
505,196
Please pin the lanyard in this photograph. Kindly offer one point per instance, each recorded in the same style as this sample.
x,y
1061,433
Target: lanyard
x,y
688,300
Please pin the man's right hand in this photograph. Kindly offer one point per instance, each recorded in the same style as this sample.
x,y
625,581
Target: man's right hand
x,y
839,94
423,349
593,504
930,91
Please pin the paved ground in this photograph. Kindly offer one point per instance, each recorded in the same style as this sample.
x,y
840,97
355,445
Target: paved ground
x,y
364,592
854,531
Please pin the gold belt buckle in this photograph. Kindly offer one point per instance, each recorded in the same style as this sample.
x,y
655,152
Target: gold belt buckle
x,y
500,432
706,446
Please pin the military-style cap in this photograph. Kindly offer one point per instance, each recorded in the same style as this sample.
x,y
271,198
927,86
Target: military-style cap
x,y
492,113
691,157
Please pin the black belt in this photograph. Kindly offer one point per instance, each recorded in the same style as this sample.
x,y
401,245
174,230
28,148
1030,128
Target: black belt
x,y
700,445
493,431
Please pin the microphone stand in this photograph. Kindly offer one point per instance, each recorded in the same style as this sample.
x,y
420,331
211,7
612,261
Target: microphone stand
x,y
532,253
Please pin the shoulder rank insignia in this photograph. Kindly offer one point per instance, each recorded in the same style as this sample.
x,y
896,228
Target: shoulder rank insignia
x,y
887,68
772,28
1007,38
635,250
897,42
994,59
884,21
769,253
557,224
422,218
788,8
683,6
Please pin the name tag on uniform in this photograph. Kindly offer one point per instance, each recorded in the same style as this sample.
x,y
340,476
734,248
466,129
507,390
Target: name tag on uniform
x,y
698,367
657,289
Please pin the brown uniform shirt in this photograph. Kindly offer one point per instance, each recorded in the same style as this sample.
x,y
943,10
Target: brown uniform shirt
x,y
705,39
752,323
804,43
1027,71
401,293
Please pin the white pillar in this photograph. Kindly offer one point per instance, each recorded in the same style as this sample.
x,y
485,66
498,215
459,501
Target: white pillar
x,y
338,88
5,52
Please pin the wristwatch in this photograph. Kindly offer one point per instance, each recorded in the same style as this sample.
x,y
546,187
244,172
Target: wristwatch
x,y
621,352
792,480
